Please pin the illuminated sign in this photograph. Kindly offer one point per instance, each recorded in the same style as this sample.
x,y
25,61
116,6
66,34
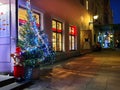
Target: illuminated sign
x,y
73,30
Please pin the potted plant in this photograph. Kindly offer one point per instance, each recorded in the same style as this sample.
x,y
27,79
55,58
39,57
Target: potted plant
x,y
34,43
32,59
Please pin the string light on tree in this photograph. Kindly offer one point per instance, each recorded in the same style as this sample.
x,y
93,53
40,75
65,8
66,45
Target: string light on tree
x,y
34,41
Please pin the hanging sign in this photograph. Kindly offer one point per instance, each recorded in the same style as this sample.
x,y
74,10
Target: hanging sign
x,y
73,30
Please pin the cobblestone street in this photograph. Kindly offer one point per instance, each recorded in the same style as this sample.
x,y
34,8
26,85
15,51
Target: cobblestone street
x,y
94,71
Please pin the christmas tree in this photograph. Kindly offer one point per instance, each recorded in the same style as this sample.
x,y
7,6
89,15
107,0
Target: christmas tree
x,y
34,42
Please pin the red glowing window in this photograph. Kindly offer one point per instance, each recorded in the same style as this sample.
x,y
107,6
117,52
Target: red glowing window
x,y
73,30
72,37
56,26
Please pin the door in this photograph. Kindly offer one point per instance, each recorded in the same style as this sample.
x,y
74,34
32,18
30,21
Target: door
x,y
5,39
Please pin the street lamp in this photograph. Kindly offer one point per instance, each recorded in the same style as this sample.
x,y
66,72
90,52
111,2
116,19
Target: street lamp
x,y
95,17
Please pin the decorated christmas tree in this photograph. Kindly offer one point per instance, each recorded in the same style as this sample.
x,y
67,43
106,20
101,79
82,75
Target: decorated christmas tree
x,y
34,42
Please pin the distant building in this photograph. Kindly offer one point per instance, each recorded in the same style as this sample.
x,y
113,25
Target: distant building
x,y
102,31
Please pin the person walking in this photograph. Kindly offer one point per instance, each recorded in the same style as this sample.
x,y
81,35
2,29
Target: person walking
x,y
117,44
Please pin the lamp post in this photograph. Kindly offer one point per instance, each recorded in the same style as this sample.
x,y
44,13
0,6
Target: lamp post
x,y
94,22
95,17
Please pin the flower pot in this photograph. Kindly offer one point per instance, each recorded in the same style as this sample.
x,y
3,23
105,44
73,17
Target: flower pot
x,y
31,73
36,73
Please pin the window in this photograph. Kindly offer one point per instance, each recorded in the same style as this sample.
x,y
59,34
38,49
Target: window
x,y
22,19
57,35
22,16
72,37
4,18
87,4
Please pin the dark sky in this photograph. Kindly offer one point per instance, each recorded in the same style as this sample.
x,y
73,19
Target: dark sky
x,y
115,5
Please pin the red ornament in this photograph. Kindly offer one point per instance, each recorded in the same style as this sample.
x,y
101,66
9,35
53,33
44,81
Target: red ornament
x,y
18,50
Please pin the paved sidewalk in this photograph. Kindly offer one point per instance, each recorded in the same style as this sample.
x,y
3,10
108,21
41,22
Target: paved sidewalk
x,y
86,51
94,71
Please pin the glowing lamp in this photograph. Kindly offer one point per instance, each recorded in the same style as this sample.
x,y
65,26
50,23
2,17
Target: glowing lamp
x,y
95,17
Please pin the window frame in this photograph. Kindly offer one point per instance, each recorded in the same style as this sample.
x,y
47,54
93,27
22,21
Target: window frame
x,y
34,11
72,38
5,23
87,4
57,32
18,23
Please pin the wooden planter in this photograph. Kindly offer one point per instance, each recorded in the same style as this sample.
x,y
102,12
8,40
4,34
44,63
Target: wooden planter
x,y
36,73
32,73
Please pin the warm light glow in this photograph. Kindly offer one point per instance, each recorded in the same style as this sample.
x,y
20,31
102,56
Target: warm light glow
x,y
95,17
57,35
111,35
73,30
87,4
22,16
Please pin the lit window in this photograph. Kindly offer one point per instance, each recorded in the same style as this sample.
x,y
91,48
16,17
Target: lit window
x,y
72,37
4,18
57,35
53,25
87,4
22,19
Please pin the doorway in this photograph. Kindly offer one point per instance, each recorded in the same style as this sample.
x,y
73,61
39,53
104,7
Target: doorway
x,y
5,42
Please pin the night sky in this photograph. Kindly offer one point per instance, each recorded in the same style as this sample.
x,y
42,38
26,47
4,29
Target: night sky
x,y
115,6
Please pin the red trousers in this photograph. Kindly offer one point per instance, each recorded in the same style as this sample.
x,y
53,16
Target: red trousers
x,y
18,71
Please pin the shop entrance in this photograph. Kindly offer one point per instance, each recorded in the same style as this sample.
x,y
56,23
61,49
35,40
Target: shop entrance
x,y
5,44
106,39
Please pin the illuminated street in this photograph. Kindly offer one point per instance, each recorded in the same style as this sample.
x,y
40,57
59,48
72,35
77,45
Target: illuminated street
x,y
94,71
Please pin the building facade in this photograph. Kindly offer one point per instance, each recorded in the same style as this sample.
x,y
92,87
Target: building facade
x,y
66,22
103,32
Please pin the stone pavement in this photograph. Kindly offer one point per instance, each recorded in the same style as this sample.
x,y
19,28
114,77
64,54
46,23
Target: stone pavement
x,y
94,71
